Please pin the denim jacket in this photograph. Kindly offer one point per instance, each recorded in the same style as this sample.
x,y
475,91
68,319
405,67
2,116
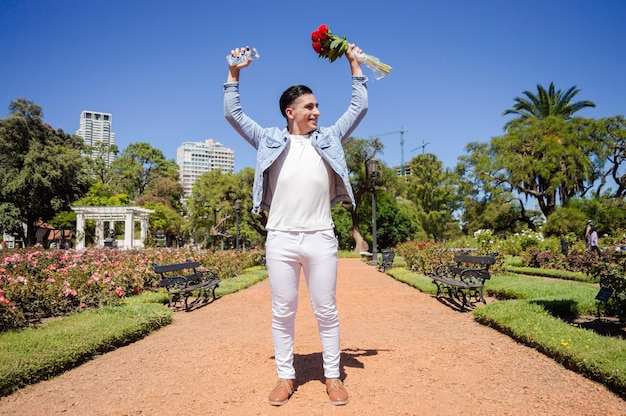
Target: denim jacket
x,y
270,142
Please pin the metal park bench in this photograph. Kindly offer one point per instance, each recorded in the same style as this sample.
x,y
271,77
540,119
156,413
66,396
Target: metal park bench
x,y
388,255
465,278
184,279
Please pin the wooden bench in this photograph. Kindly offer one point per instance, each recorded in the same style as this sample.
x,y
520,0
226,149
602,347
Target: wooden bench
x,y
388,255
183,279
465,278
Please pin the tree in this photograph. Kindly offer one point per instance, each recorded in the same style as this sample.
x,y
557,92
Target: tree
x,y
101,194
499,211
163,190
98,165
486,203
139,166
434,191
547,103
42,169
165,220
357,152
611,132
550,159
212,207
252,227
394,224
608,214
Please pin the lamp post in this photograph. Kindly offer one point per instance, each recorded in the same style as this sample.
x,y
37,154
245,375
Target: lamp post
x,y
237,211
371,168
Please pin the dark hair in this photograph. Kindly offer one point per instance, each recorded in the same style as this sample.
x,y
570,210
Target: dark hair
x,y
290,95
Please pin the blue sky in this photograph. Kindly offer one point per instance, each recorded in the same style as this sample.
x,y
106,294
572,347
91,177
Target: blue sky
x,y
159,66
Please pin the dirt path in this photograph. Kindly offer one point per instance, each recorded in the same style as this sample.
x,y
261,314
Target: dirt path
x,y
404,353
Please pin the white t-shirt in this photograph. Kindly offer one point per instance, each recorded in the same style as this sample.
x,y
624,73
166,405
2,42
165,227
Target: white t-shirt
x,y
300,182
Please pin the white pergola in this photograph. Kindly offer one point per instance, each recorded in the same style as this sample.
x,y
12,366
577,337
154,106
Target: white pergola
x,y
111,215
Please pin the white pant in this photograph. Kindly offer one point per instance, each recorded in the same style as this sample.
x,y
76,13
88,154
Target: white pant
x,y
316,254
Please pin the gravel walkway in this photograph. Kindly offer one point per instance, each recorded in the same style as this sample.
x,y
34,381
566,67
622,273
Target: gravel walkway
x,y
404,353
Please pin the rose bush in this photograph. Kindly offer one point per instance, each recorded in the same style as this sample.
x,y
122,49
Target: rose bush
x,y
424,257
37,283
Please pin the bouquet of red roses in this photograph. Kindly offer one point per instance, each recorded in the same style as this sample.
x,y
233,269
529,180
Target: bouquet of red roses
x,y
330,46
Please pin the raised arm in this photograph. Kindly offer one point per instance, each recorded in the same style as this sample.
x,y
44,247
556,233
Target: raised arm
x,y
358,104
244,125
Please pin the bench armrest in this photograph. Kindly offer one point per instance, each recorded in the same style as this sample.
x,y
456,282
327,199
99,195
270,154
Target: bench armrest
x,y
206,274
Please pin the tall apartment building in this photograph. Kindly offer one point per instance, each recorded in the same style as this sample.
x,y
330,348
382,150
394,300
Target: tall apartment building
x,y
95,129
407,169
197,158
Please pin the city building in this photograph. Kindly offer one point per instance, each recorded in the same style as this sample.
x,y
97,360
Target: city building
x,y
95,129
407,169
197,158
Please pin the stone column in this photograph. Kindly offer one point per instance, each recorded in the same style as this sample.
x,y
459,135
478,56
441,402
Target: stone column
x,y
80,231
144,229
100,233
129,229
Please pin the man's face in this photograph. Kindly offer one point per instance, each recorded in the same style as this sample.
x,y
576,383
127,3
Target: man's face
x,y
303,114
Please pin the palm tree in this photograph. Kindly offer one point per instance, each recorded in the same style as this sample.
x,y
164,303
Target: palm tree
x,y
547,103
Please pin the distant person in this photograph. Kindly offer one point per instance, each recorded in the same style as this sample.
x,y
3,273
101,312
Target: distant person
x,y
587,237
593,241
301,173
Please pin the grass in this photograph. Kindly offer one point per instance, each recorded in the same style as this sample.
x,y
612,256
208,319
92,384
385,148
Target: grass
x,y
348,254
249,278
595,356
40,352
557,274
44,351
529,311
561,297
418,281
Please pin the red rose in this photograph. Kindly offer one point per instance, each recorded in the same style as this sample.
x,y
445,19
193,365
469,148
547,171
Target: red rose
x,y
322,29
317,46
315,35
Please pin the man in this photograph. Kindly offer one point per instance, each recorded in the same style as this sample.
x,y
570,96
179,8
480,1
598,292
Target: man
x,y
300,173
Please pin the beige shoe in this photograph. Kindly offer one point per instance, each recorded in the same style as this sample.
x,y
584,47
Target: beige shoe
x,y
281,392
337,392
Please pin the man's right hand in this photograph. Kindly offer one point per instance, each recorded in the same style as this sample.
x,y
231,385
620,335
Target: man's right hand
x,y
233,70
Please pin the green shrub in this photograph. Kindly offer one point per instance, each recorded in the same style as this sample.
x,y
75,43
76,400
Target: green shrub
x,y
523,240
424,257
611,271
577,260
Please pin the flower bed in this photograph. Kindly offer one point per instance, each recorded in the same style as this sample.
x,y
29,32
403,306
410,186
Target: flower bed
x,y
37,284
